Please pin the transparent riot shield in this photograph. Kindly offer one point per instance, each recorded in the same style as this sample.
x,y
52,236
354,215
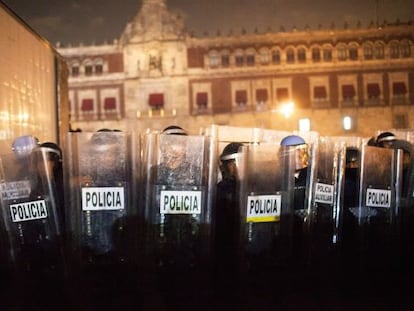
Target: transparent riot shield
x,y
301,170
266,190
405,142
370,230
102,173
325,207
31,226
103,221
178,213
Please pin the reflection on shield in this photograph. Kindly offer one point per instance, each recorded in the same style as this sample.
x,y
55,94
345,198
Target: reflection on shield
x,y
265,221
370,229
101,173
177,206
30,215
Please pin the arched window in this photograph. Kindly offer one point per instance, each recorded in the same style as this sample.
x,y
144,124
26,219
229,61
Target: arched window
x,y
394,50
264,56
353,51
327,53
99,66
75,68
290,55
405,49
316,54
239,58
225,58
379,50
88,67
368,51
250,57
302,55
276,57
213,59
342,52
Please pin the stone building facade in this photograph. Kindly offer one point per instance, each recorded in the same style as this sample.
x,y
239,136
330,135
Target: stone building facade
x,y
157,74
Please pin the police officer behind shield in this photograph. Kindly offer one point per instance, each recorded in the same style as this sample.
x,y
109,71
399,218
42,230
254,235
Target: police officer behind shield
x,y
227,222
300,247
34,234
301,167
174,238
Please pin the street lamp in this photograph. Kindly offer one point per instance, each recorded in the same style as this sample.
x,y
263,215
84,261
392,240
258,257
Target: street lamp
x,y
287,109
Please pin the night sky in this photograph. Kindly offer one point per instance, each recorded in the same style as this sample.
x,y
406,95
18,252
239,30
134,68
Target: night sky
x,y
97,21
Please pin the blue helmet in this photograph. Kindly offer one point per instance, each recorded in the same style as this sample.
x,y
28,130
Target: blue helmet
x,y
292,140
23,145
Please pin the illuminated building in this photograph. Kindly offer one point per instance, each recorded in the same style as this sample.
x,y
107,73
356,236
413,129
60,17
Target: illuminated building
x,y
156,74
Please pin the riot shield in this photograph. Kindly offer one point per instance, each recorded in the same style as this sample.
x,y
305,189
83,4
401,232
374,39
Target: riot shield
x,y
325,207
178,213
266,187
405,142
30,214
102,172
302,173
31,233
370,230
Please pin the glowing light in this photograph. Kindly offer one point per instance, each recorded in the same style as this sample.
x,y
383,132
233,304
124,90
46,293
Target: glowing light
x,y
23,117
287,109
304,125
4,116
347,123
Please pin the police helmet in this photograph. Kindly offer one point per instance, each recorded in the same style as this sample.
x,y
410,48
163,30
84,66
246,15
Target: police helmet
x,y
23,145
52,148
292,140
174,130
105,139
385,137
230,152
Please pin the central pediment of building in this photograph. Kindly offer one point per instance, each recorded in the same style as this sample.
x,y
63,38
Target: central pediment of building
x,y
153,22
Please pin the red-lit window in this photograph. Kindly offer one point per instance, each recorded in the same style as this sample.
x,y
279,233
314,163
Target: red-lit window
x,y
202,100
87,104
261,95
110,103
399,88
319,92
156,100
373,90
348,91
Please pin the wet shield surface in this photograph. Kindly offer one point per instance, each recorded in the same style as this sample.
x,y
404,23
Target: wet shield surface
x,y
32,247
177,213
371,228
102,173
325,206
265,214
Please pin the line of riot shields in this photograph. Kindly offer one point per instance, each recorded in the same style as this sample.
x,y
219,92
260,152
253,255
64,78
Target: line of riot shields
x,y
178,219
